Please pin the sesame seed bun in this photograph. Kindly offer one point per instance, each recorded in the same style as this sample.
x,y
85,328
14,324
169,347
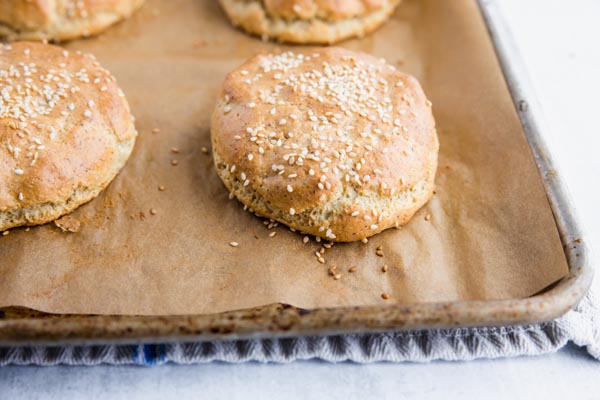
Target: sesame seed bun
x,y
65,132
309,21
59,20
330,142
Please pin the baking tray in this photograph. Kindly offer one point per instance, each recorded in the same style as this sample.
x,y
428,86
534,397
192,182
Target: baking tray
x,y
23,326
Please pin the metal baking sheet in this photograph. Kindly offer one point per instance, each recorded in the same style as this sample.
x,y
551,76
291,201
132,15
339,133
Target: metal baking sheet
x,y
26,326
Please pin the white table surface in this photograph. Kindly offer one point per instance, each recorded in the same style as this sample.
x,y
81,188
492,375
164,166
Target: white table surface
x,y
559,42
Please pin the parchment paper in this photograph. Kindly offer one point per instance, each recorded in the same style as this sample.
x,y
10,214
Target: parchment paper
x,y
491,234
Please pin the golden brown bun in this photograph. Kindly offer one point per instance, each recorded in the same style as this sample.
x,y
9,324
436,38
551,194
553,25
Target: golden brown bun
x,y
309,21
330,142
65,132
59,20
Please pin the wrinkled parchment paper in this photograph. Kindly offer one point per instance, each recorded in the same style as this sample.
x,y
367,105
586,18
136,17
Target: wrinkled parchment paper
x,y
491,234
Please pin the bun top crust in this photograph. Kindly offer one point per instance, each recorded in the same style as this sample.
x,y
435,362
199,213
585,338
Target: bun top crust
x,y
331,10
303,128
55,19
62,117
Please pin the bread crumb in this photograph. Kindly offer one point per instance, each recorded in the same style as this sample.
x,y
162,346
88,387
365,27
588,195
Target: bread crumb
x,y
68,224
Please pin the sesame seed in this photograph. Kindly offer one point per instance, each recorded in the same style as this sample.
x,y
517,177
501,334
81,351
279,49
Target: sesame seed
x,y
155,130
250,157
227,109
305,239
161,188
87,113
234,244
384,268
290,188
292,211
385,296
364,240
174,162
337,277
153,211
373,226
355,214
427,217
352,270
204,150
5,233
20,196
18,171
174,150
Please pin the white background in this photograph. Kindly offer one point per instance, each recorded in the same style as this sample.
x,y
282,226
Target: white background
x,y
559,42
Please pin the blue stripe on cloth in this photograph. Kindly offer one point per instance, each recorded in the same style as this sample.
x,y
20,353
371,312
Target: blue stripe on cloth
x,y
149,354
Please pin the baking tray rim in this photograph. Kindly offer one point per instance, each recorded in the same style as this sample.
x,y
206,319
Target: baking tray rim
x,y
284,321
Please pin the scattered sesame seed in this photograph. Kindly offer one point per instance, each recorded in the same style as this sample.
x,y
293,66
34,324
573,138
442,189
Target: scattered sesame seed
x,y
384,268
290,188
364,240
174,162
5,233
272,234
204,150
153,211
385,296
427,217
161,188
18,171
337,277
234,244
373,227
292,211
305,239
352,270
174,150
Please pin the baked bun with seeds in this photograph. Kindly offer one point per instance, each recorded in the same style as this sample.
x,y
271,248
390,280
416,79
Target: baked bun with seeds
x,y
330,142
65,132
58,20
309,21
